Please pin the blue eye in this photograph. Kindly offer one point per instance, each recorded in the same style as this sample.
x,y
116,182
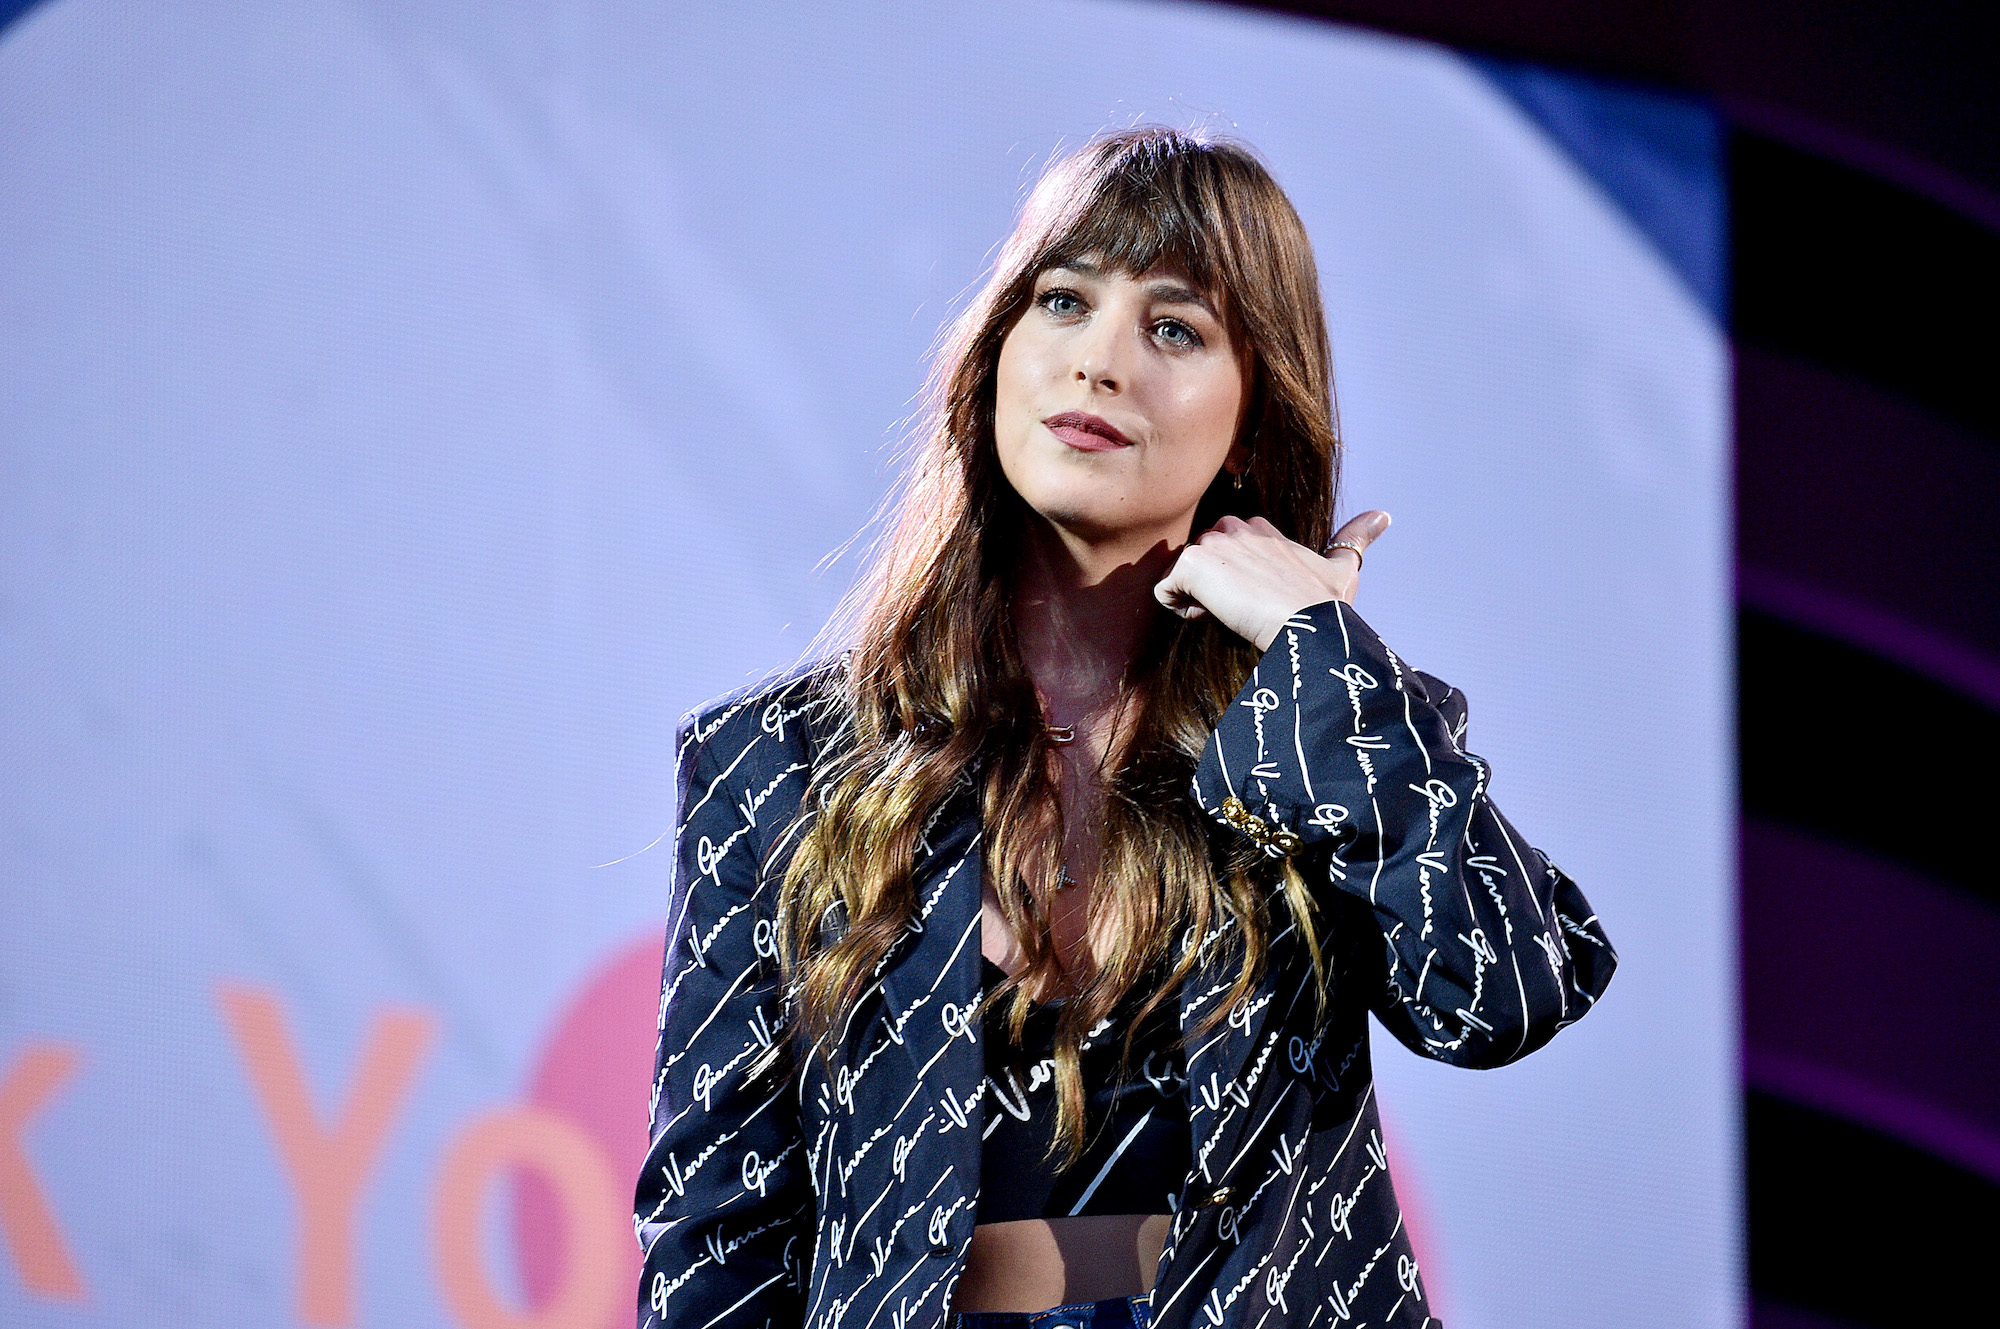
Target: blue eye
x,y
1177,332
1059,301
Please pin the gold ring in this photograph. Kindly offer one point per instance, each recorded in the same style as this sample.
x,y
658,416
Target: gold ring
x,y
1359,558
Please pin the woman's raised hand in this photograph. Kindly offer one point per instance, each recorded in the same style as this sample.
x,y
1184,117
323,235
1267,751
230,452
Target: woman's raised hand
x,y
1252,578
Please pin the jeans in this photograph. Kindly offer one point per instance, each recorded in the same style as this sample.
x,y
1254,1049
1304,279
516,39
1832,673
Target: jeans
x,y
1115,1313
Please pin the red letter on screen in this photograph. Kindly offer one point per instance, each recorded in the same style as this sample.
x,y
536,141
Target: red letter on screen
x,y
328,1166
25,1218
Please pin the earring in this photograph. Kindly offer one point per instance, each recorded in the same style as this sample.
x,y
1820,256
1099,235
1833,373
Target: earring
x,y
1236,479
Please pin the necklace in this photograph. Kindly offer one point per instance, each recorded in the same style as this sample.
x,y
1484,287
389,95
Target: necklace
x,y
1064,734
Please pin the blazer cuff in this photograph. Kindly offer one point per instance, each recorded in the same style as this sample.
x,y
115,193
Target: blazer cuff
x,y
1280,766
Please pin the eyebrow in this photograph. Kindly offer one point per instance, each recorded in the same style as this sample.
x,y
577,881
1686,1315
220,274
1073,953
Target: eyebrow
x,y
1166,290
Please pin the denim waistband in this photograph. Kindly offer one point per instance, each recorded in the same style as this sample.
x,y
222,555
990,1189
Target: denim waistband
x,y
1112,1313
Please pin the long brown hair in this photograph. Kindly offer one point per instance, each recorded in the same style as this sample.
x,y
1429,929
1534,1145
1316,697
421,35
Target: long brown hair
x,y
935,689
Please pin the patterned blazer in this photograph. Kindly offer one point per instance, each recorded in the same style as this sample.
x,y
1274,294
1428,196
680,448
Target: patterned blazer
x,y
846,1200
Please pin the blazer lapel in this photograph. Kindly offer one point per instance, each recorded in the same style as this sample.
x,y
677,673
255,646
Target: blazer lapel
x,y
930,983
1221,1068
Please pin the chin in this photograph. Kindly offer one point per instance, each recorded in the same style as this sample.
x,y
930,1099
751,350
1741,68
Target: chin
x,y
1078,503
1097,521
1088,504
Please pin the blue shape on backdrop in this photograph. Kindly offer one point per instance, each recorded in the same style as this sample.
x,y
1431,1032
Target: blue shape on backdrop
x,y
13,9
1657,155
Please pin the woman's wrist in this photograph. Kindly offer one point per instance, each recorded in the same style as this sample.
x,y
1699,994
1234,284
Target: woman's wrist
x,y
1265,640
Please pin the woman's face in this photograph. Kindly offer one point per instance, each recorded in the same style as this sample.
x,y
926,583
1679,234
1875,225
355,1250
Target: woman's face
x,y
1117,398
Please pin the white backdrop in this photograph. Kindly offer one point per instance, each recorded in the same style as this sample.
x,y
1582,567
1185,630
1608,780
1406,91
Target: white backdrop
x,y
407,410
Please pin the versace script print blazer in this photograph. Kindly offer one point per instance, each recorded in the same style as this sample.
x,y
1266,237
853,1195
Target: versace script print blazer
x,y
844,1198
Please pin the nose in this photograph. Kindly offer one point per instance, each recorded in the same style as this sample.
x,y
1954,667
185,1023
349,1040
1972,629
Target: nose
x,y
1100,356
1092,376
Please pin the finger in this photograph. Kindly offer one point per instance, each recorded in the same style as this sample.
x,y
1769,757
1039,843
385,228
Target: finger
x,y
1362,530
1177,601
1172,592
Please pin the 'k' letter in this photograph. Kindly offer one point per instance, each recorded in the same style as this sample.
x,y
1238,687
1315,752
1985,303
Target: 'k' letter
x,y
329,1166
25,1218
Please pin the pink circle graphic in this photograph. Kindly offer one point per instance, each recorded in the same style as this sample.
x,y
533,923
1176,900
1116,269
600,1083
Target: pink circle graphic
x,y
596,1070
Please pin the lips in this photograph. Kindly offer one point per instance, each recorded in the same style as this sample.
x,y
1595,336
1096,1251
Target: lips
x,y
1085,432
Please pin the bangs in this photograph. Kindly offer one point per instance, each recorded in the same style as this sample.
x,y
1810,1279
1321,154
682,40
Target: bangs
x,y
1137,207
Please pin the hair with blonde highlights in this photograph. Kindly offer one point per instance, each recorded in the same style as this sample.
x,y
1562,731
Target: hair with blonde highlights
x,y
935,690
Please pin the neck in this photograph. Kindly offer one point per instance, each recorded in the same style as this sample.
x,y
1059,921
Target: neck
x,y
1082,612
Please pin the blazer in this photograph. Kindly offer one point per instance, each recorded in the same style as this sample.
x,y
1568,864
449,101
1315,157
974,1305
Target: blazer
x,y
845,1199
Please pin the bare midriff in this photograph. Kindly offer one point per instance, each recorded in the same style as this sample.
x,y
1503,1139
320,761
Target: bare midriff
x,y
1034,1264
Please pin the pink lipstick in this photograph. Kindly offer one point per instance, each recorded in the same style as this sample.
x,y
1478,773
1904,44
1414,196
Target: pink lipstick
x,y
1085,432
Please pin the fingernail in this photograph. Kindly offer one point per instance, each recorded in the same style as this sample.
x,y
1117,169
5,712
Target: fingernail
x,y
1380,524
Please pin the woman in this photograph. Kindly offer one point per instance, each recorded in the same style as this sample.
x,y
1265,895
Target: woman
x,y
1023,956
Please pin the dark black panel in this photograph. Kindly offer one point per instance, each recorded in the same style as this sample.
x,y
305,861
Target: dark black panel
x,y
1863,752
1869,971
1916,79
1850,1224
1905,90
1656,40
1856,489
1865,277
1766,1313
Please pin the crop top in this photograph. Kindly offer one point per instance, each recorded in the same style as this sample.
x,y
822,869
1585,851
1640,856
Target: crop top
x,y
1137,1152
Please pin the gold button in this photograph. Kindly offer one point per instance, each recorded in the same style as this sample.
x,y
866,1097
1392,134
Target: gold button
x,y
1221,1197
1287,841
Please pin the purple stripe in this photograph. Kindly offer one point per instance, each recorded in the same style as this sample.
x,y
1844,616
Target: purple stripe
x,y
1876,157
1885,1111
1813,906
1776,1315
1930,653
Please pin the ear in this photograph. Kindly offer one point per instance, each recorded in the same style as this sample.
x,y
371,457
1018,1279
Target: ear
x,y
1238,460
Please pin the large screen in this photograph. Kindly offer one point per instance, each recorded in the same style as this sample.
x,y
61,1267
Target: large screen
x,y
410,410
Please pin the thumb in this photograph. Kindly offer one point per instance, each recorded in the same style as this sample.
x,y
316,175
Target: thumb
x,y
1362,530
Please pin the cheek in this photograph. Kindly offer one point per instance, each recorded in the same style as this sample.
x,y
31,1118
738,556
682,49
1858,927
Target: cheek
x,y
1018,396
1209,408
1011,411
1013,374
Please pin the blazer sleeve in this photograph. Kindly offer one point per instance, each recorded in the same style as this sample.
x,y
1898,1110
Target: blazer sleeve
x,y
1337,754
723,1207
